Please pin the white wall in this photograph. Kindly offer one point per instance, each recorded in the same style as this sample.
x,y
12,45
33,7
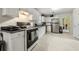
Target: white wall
x,y
3,11
35,13
36,16
62,15
13,21
76,22
48,19
10,22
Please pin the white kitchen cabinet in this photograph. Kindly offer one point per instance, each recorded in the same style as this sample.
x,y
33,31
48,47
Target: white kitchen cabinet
x,y
18,41
0,11
14,41
14,12
41,31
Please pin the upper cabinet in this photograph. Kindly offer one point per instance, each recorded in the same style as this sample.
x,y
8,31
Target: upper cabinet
x,y
0,11
14,12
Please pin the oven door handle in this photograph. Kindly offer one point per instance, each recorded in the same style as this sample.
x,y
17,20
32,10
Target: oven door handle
x,y
31,30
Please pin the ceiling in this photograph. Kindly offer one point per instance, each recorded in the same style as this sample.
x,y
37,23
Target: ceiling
x,y
49,11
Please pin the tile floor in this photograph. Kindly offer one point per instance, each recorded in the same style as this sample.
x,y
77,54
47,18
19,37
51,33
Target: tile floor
x,y
57,42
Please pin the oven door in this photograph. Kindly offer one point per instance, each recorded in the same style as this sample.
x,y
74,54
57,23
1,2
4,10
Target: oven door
x,y
31,37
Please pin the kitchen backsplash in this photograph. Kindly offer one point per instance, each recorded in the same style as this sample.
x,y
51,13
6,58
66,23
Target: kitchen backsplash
x,y
10,22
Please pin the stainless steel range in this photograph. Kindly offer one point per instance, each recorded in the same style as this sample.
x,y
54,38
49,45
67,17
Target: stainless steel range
x,y
31,37
30,34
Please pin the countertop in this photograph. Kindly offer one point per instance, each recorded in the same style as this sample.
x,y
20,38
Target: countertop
x,y
11,32
25,29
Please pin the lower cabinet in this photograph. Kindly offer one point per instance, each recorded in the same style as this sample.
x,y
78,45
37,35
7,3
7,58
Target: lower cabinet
x,y
14,41
18,43
41,31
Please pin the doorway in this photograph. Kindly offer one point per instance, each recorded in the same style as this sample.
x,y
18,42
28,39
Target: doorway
x,y
66,24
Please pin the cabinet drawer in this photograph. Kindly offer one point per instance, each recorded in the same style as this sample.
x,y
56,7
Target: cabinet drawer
x,y
18,34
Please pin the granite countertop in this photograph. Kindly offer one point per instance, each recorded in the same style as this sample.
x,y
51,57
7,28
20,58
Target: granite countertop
x,y
38,26
25,29
12,31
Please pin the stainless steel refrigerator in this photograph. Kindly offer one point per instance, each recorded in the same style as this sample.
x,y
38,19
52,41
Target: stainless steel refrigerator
x,y
55,26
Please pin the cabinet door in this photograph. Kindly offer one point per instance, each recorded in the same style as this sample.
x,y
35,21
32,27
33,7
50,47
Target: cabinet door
x,y
18,43
12,12
41,31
